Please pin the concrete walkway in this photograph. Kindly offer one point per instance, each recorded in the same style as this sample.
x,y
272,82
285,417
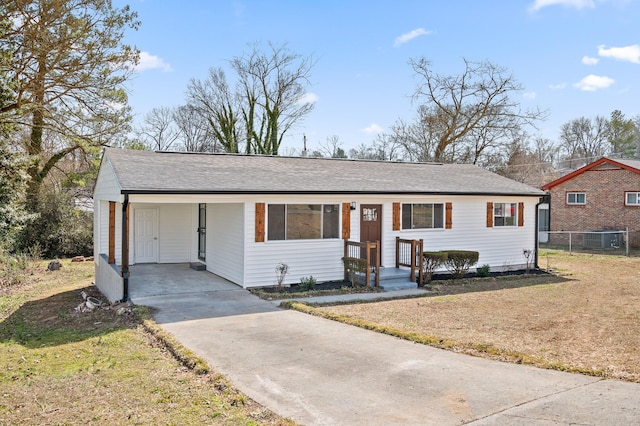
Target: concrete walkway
x,y
320,372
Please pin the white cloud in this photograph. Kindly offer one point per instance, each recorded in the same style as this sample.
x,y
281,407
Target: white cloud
x,y
578,4
530,95
557,86
404,38
373,128
308,98
591,83
150,62
627,53
588,60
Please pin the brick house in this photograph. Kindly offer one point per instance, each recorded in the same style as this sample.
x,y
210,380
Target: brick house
x,y
603,195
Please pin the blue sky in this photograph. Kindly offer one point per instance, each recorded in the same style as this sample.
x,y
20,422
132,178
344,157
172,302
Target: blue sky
x,y
574,58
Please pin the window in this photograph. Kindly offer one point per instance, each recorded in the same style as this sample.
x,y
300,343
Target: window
x,y
576,198
422,216
505,214
632,198
303,221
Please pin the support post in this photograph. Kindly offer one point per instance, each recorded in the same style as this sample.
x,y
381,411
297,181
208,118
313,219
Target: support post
x,y
125,248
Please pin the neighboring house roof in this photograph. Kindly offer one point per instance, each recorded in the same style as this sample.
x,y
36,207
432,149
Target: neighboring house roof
x,y
148,172
631,165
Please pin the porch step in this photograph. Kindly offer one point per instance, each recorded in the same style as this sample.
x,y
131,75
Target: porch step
x,y
198,266
397,284
395,279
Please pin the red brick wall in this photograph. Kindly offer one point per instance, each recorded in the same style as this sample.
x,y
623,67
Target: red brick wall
x,y
604,209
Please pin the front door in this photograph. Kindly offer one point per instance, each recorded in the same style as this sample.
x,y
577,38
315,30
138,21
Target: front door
x,y
146,236
371,224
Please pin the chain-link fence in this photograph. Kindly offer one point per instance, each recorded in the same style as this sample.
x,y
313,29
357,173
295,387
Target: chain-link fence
x,y
610,241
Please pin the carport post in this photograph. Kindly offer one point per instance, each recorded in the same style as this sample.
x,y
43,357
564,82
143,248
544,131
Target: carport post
x,y
125,249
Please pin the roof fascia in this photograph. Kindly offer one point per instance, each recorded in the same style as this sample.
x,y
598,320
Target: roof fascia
x,y
196,192
589,167
575,173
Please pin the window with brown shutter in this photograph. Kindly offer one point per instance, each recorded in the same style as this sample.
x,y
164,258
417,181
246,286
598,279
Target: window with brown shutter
x,y
396,216
489,215
448,220
346,221
259,222
520,214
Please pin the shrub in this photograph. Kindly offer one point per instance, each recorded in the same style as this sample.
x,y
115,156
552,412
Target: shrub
x,y
459,261
307,283
282,269
483,271
59,229
431,260
353,265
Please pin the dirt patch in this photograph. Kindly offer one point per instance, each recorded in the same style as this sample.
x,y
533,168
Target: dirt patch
x,y
587,320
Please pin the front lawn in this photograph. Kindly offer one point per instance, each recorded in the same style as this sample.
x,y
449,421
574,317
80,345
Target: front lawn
x,y
588,321
61,366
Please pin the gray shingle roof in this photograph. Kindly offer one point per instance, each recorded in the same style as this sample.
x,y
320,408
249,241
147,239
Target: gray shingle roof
x,y
155,172
631,163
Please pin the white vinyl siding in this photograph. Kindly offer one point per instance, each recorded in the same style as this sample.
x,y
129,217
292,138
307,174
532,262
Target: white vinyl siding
x,y
225,241
319,258
175,232
107,187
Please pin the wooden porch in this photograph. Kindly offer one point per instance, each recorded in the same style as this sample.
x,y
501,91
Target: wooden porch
x,y
362,264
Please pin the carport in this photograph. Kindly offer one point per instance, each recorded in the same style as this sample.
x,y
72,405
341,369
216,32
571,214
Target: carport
x,y
178,293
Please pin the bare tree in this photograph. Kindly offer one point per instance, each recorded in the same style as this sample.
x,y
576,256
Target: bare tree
x,y
268,100
476,107
195,133
159,131
219,107
584,140
416,139
332,148
67,65
274,89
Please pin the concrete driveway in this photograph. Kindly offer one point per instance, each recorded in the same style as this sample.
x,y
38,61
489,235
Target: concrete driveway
x,y
320,372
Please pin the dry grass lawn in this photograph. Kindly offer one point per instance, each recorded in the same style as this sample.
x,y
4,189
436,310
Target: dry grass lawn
x,y
588,322
59,366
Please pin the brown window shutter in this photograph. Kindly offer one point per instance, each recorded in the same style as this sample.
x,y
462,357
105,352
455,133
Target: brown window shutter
x,y
112,232
448,221
520,214
489,215
259,222
346,221
396,216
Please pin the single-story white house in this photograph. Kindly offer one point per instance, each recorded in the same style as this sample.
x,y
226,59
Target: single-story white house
x,y
241,215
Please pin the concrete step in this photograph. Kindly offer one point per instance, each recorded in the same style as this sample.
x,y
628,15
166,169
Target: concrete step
x,y
397,284
394,273
198,266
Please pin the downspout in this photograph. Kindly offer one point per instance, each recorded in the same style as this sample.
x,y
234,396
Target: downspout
x,y
545,199
125,249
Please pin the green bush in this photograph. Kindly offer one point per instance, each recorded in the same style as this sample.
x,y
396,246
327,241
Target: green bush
x,y
459,262
307,283
431,260
59,230
353,265
483,271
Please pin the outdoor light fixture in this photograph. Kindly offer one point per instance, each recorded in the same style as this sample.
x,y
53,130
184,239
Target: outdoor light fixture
x,y
353,205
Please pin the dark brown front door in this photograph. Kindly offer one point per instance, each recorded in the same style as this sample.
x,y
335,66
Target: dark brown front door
x,y
370,224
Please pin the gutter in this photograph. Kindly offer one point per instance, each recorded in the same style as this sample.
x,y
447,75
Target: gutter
x,y
316,192
545,199
125,249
